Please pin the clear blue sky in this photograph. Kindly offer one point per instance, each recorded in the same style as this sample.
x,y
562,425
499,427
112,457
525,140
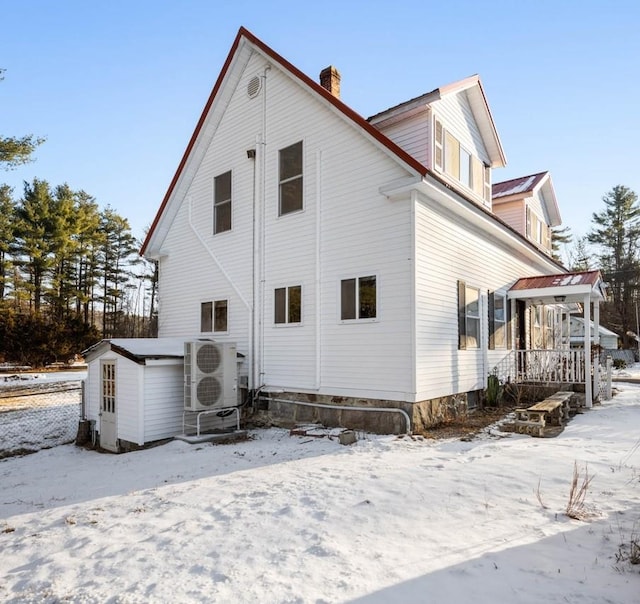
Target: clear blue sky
x,y
118,86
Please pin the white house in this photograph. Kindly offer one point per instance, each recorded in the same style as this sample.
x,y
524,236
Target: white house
x,y
356,263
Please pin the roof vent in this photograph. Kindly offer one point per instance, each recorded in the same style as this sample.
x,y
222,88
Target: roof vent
x,y
253,87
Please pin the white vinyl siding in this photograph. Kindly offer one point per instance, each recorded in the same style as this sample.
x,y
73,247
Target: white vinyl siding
x,y
411,134
511,212
347,170
164,394
442,369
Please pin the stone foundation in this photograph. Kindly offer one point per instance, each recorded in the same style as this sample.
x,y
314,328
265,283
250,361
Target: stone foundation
x,y
436,411
423,415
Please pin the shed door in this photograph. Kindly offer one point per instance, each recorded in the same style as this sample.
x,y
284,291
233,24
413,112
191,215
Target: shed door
x,y
108,432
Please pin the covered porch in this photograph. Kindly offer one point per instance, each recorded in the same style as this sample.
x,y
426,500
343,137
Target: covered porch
x,y
540,331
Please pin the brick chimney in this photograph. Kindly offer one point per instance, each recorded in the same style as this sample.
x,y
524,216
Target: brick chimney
x,y
330,79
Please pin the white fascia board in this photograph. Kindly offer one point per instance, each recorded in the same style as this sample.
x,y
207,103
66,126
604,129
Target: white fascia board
x,y
155,362
571,293
199,147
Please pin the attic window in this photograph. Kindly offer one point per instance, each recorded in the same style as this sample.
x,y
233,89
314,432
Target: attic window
x,y
253,87
451,158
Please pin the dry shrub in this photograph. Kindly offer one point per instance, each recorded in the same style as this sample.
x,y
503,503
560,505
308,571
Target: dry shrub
x,y
576,506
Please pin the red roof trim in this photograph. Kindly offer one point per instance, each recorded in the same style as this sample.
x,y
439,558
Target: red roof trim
x,y
337,103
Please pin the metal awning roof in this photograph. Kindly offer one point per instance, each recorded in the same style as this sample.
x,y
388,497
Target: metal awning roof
x,y
559,289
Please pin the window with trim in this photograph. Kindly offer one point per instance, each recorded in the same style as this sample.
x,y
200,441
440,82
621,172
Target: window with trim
x,y
468,316
537,230
453,159
214,316
288,305
290,180
358,298
222,203
497,320
537,327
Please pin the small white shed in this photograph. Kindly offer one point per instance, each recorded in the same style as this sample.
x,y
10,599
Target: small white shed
x,y
134,391
608,339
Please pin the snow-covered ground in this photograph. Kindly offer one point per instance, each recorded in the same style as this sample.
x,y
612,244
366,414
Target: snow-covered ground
x,y
299,519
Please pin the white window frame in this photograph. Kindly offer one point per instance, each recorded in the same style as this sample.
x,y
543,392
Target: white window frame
x,y
500,324
471,317
287,305
357,318
467,167
290,179
212,318
218,203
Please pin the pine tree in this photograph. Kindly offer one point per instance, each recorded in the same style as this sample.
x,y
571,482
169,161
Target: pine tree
x,y
15,151
118,253
616,232
559,236
579,256
33,238
7,209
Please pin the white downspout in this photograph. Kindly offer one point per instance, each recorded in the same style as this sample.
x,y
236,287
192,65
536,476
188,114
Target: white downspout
x,y
588,392
262,162
414,291
318,267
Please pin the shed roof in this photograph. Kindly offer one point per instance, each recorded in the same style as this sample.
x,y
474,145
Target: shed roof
x,y
138,349
565,287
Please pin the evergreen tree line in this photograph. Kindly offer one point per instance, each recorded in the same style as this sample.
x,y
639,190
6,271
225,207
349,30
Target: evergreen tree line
x,y
612,246
70,274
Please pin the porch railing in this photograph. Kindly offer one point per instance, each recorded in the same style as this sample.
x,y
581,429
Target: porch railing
x,y
551,366
547,366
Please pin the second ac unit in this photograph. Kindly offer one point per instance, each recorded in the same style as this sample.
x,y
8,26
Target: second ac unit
x,y
210,375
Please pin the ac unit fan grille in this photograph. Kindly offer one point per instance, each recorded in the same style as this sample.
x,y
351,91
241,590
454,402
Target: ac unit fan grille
x,y
208,391
208,358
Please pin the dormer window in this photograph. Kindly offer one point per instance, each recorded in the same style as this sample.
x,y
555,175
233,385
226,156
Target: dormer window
x,y
451,158
537,230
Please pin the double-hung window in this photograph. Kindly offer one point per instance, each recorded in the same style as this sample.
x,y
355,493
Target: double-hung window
x,y
288,305
214,316
358,298
497,320
468,316
290,182
222,203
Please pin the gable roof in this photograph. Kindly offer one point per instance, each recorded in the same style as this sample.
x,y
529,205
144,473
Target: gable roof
x,y
528,186
479,106
244,39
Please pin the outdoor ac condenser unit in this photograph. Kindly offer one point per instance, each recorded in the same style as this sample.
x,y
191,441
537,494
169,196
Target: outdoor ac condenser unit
x,y
210,375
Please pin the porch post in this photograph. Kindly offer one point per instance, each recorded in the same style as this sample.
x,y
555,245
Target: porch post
x,y
588,392
514,344
596,341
